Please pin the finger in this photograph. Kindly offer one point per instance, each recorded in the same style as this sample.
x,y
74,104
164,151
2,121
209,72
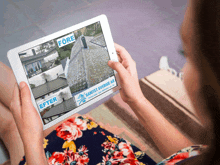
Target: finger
x,y
122,72
123,53
15,105
119,58
25,96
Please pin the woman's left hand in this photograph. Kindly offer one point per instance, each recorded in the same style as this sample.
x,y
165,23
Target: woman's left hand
x,y
26,117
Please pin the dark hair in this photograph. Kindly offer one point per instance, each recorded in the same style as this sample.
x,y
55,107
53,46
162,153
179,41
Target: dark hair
x,y
206,57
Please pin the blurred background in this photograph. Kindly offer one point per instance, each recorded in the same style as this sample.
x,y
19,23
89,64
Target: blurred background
x,y
148,29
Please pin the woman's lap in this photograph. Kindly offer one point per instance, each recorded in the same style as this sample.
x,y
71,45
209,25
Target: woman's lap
x,y
79,139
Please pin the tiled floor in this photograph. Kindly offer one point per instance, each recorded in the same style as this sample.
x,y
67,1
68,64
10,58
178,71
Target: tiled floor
x,y
148,29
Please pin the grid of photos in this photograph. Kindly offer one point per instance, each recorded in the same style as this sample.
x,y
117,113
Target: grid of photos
x,y
65,72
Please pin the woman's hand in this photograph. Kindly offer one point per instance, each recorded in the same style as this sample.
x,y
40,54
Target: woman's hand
x,y
29,125
26,117
126,67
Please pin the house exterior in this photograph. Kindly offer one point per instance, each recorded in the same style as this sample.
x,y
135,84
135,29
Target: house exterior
x,y
47,81
38,63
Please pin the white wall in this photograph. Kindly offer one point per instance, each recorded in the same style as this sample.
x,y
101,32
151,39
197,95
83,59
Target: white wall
x,y
29,51
52,74
67,92
53,56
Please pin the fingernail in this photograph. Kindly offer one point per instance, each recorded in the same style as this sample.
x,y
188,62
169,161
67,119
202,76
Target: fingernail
x,y
114,60
110,61
22,85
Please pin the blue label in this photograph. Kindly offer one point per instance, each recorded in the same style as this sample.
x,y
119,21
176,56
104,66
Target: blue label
x,y
95,90
66,40
47,103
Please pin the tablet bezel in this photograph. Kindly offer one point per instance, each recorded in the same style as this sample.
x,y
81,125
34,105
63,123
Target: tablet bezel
x,y
20,75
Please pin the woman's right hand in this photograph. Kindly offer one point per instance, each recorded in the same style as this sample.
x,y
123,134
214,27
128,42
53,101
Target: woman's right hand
x,y
126,67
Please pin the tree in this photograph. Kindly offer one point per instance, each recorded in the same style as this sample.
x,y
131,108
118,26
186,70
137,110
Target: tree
x,y
57,62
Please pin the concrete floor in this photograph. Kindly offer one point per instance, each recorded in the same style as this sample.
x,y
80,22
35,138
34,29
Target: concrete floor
x,y
148,29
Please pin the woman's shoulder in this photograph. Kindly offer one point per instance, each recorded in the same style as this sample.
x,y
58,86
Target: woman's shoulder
x,y
183,154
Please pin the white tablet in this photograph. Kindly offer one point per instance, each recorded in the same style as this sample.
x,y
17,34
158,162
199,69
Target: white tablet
x,y
67,71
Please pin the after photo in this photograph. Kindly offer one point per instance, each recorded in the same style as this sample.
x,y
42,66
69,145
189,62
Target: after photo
x,y
47,81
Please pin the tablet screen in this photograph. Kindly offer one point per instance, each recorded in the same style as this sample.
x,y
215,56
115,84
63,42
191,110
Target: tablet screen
x,y
66,72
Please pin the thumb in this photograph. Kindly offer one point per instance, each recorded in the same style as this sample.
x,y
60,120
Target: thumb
x,y
15,105
25,95
118,67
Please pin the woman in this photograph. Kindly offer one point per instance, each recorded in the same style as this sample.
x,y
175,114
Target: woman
x,y
200,35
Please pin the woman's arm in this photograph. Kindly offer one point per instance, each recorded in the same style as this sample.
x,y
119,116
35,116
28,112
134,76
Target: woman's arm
x,y
34,153
29,125
168,139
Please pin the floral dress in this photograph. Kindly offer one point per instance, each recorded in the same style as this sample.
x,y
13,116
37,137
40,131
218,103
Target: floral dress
x,y
80,141
186,153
